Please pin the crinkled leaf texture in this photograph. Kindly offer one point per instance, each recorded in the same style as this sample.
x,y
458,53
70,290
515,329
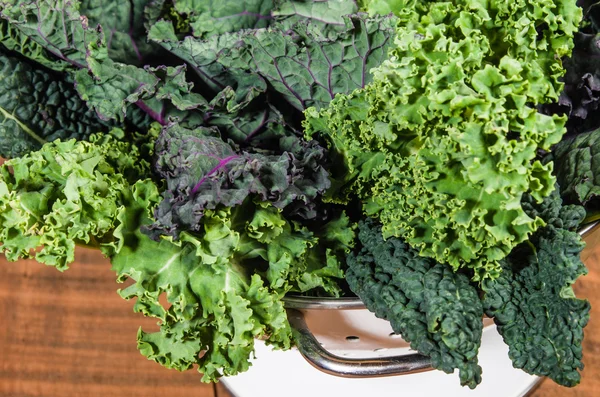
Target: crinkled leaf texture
x,y
12,40
203,172
308,65
111,88
577,167
224,283
214,17
123,24
323,13
68,26
580,98
75,43
37,106
442,145
532,301
65,194
436,310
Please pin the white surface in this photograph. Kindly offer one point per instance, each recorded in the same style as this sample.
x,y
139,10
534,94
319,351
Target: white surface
x,y
287,374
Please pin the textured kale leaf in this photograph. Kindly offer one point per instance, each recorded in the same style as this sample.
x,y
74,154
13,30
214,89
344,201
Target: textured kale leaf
x,y
62,31
224,283
68,193
203,172
37,106
112,89
12,40
214,17
435,309
72,42
580,98
67,27
442,144
324,14
532,301
307,65
576,166
123,26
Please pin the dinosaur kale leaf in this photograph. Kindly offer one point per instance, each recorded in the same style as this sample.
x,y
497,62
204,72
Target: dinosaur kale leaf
x,y
532,301
436,310
38,106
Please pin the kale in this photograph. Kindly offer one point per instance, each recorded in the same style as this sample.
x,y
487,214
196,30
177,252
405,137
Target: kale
x,y
576,162
580,98
38,107
436,310
203,172
532,302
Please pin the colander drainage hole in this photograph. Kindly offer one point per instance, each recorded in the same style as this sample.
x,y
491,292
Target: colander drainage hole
x,y
352,338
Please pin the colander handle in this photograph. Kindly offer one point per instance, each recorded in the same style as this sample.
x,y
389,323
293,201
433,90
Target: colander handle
x,y
331,364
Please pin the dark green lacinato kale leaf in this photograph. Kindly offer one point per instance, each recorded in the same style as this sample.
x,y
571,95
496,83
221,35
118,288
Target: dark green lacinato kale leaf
x,y
577,167
580,98
435,309
306,65
37,106
532,301
202,172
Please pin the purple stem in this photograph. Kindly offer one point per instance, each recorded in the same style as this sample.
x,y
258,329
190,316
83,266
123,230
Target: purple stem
x,y
155,115
222,163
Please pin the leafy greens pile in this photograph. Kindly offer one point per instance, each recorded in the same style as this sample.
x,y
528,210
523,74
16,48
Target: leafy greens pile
x,y
225,154
441,146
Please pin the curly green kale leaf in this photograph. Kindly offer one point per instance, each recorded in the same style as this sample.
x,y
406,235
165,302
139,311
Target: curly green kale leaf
x,y
533,303
37,107
436,310
203,172
224,283
442,144
65,194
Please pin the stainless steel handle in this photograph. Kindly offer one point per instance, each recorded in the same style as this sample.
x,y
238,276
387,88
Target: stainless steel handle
x,y
331,364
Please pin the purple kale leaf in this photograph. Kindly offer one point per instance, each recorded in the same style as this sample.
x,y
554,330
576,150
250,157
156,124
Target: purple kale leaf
x,y
580,98
202,171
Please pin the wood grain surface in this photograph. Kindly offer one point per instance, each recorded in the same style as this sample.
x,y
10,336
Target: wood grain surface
x,y
69,334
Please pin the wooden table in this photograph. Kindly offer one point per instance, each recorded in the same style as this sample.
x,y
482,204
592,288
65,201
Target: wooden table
x,y
70,335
